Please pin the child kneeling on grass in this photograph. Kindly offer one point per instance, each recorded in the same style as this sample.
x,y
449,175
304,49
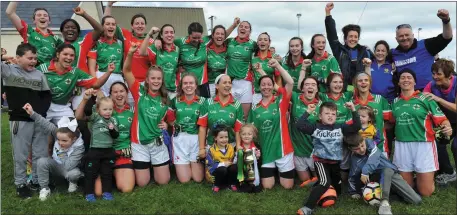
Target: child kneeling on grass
x,y
67,152
328,148
219,160
367,159
101,155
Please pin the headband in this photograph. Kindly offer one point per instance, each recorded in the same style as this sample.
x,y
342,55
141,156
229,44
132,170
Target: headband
x,y
219,77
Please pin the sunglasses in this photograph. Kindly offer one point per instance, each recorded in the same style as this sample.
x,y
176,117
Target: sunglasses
x,y
404,26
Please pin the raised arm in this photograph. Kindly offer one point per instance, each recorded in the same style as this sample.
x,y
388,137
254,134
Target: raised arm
x,y
41,121
127,70
235,24
436,44
98,28
102,80
79,113
356,125
367,63
303,124
92,64
108,8
144,46
289,82
330,28
12,15
306,63
443,14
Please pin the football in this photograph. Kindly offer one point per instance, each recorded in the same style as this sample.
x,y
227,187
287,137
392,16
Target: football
x,y
328,198
372,193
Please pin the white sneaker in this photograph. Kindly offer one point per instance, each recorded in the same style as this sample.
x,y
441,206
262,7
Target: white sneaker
x,y
72,187
44,194
384,208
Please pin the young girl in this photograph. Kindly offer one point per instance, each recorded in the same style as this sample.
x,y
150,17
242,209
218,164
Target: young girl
x,y
101,156
368,121
219,161
248,133
67,152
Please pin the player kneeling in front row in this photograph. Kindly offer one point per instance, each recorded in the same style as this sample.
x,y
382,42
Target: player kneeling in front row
x,y
367,159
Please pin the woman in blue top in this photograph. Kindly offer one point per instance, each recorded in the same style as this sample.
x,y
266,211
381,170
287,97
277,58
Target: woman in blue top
x,y
382,71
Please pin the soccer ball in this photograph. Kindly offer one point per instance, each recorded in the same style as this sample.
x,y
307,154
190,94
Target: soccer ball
x,y
372,193
328,198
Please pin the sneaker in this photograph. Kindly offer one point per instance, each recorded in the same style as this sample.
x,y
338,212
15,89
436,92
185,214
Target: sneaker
x,y
309,182
215,189
34,187
90,198
385,208
44,194
23,191
444,179
72,187
107,196
233,188
305,211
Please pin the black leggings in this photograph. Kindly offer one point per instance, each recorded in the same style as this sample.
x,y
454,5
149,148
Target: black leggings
x,y
224,176
99,162
327,174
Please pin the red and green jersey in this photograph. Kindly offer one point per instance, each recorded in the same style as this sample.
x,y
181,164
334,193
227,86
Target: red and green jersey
x,y
167,59
187,113
322,67
268,70
415,117
213,113
45,42
63,84
382,111
82,47
294,72
271,122
343,115
193,59
106,52
140,64
303,143
239,56
124,118
149,112
217,62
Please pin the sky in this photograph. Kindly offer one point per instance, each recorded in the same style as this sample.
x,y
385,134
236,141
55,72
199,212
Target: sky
x,y
378,20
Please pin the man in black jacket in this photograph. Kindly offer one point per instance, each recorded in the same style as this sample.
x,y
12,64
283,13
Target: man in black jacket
x,y
350,55
25,84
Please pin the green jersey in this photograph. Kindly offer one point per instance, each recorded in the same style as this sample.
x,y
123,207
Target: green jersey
x,y
303,143
168,61
239,56
149,112
382,111
415,117
294,72
271,122
124,118
192,58
63,84
217,63
101,137
343,115
82,47
213,112
187,113
106,52
268,70
321,69
45,42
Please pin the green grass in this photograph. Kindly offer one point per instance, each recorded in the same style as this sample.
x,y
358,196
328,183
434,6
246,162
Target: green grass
x,y
195,198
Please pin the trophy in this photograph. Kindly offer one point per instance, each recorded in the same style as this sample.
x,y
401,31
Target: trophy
x,y
249,161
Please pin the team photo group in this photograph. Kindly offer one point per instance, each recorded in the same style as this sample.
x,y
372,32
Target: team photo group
x,y
119,108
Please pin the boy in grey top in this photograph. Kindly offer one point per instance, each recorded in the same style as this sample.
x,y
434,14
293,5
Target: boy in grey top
x,y
24,84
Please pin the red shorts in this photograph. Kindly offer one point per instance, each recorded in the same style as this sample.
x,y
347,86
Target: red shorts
x,y
122,162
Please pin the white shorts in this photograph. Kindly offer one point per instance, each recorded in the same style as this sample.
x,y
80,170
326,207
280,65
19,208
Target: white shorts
x,y
212,90
56,112
185,148
303,163
284,164
242,91
171,95
256,98
420,157
114,77
150,153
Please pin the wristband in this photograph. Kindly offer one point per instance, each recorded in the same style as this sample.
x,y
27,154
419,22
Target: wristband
x,y
446,21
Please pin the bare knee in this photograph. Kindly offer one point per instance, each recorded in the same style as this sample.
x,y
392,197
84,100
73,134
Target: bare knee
x,y
125,189
426,191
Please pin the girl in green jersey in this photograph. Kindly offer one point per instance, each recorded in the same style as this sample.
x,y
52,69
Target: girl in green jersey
x,y
293,61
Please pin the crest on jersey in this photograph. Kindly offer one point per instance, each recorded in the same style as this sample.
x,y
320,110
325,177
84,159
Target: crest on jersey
x,y
438,110
324,67
375,111
197,112
68,81
130,119
386,70
118,50
232,115
416,107
275,111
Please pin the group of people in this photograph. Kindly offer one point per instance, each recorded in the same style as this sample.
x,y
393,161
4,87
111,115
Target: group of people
x,y
120,102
